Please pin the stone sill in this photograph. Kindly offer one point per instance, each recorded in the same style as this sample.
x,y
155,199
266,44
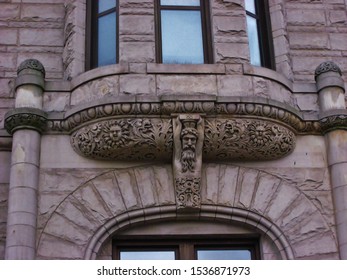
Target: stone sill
x,y
198,69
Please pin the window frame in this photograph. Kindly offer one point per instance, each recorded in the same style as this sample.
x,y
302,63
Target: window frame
x,y
263,19
185,247
204,9
92,34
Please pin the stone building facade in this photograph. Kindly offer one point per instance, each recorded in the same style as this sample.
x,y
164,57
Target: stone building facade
x,y
94,158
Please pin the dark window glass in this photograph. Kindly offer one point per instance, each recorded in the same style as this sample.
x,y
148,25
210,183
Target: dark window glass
x,y
103,40
183,36
259,33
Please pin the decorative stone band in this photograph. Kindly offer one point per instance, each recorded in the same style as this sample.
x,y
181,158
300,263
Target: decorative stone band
x,y
334,121
125,139
237,129
253,107
25,118
152,139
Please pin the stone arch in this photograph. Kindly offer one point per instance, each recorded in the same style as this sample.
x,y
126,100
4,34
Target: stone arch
x,y
121,198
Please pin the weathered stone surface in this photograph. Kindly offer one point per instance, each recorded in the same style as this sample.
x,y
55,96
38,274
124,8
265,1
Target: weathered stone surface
x,y
137,84
95,89
137,51
184,84
51,247
231,52
309,40
135,25
311,17
234,85
42,37
267,186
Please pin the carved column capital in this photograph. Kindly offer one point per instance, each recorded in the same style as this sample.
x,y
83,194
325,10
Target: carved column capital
x,y
25,118
334,121
327,66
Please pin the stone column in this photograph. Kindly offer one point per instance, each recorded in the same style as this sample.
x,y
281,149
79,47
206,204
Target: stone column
x,y
333,119
25,123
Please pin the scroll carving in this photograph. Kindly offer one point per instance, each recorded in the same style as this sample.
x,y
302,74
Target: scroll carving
x,y
125,139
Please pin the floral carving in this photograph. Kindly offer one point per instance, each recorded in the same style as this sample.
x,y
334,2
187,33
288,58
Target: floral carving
x,y
125,139
188,193
246,139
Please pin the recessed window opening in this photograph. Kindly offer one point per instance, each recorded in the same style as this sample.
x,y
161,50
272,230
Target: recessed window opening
x,y
183,32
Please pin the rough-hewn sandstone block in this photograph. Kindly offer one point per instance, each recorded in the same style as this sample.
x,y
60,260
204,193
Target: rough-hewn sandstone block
x,y
8,36
41,37
136,52
133,24
46,12
309,40
9,11
307,17
231,52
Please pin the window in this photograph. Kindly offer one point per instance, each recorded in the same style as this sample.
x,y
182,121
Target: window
x,y
103,30
259,33
183,34
212,248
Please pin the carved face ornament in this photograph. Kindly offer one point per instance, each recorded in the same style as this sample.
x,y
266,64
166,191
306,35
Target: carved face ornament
x,y
116,134
189,139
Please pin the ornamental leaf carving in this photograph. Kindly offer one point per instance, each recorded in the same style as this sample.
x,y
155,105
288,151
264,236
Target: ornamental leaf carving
x,y
125,139
246,139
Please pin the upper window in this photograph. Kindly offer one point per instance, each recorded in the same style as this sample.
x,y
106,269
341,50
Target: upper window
x,y
259,33
183,32
103,20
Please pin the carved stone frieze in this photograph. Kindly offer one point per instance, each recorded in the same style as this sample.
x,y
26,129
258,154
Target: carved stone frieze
x,y
246,139
25,118
167,108
125,139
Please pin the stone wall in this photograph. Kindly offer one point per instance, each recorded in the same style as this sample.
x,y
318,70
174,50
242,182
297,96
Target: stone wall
x,y
305,33
29,29
298,203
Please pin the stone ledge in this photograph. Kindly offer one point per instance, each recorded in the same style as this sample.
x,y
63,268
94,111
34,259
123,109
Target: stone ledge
x,y
122,68
267,74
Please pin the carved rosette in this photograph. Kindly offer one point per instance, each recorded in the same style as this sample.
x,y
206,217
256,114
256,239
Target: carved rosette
x,y
125,139
25,118
188,193
246,139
